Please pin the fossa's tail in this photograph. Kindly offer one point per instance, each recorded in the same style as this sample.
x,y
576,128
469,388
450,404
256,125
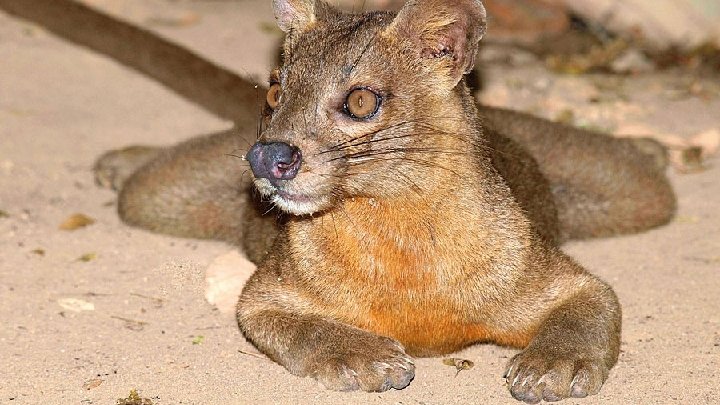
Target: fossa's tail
x,y
213,87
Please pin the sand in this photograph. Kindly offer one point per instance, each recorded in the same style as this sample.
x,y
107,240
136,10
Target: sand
x,y
90,314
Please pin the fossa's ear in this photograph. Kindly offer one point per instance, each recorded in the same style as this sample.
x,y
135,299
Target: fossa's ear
x,y
446,33
294,15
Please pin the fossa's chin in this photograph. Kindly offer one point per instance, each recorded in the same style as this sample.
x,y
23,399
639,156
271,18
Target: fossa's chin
x,y
292,202
297,204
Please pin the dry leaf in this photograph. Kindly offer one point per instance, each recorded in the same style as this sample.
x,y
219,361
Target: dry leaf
x,y
4,214
459,364
92,383
76,221
76,304
87,257
39,252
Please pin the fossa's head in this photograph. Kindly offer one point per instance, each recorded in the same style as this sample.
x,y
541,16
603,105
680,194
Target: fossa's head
x,y
364,105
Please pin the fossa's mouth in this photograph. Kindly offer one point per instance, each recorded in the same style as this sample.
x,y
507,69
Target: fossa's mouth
x,y
292,202
297,204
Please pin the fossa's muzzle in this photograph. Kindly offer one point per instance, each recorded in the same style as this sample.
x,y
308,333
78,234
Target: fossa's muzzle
x,y
274,161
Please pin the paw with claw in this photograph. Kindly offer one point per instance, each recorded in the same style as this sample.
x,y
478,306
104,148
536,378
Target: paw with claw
x,y
533,376
368,363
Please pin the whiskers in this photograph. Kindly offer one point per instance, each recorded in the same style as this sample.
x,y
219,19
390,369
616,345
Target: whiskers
x,y
411,142
241,158
414,142
235,155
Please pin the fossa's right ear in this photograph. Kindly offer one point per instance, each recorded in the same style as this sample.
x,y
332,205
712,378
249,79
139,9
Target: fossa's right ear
x,y
443,33
294,15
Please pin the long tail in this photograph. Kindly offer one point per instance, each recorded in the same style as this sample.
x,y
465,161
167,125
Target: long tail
x,y
213,87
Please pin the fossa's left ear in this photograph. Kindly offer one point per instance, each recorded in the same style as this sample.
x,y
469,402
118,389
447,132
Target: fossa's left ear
x,y
295,17
445,33
294,14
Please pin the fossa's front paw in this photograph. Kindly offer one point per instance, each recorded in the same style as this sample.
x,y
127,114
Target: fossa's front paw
x,y
533,376
368,363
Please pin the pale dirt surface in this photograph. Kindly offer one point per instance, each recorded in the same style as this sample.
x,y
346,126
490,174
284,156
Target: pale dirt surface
x,y
61,106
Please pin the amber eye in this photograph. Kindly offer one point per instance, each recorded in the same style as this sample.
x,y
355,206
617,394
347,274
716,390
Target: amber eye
x,y
362,103
273,95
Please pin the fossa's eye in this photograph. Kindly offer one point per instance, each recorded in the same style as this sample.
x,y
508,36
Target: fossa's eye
x,y
273,95
362,103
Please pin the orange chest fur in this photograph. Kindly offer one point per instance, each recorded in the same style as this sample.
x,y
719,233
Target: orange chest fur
x,y
426,326
397,273
410,299
400,292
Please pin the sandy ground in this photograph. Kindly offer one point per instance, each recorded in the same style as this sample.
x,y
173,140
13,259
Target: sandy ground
x,y
132,315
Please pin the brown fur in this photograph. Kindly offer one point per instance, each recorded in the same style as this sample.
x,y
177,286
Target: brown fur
x,y
426,228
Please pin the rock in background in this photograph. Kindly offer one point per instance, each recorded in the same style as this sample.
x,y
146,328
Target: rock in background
x,y
663,23
681,23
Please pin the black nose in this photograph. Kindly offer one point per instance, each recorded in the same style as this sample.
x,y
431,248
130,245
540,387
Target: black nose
x,y
274,161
